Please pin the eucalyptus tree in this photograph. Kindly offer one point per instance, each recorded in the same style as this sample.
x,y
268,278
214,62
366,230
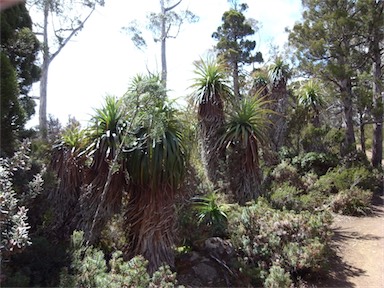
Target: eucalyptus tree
x,y
163,25
326,46
245,131
211,91
234,44
57,22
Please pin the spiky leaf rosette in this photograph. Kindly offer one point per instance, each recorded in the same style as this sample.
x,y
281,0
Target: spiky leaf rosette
x,y
310,98
156,164
107,131
68,162
211,89
279,74
245,130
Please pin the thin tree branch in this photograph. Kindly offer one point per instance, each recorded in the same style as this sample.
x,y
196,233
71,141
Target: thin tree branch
x,y
71,35
331,80
172,7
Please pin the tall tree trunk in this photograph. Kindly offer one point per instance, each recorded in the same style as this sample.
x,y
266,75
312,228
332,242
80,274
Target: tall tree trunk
x,y
376,40
377,145
362,132
44,76
346,96
163,45
236,85
163,64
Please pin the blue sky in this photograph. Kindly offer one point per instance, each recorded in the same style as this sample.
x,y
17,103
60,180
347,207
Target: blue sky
x,y
102,59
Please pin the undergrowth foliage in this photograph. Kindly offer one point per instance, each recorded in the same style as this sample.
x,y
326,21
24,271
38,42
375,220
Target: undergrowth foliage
x,y
89,268
13,218
349,190
354,201
265,238
210,212
277,278
14,196
342,190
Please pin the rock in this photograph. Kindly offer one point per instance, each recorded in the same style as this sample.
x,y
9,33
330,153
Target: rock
x,y
205,271
209,266
195,269
219,248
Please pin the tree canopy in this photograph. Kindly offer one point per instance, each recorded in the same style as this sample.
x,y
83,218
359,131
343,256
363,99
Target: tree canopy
x,y
234,42
19,48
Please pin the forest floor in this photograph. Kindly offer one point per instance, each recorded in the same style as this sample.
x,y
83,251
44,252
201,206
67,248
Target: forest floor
x,y
359,250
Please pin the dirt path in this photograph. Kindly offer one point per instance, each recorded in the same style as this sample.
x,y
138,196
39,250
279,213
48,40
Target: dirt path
x,y
359,246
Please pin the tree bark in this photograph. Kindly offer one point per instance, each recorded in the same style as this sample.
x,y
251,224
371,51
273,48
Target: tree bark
x,y
346,96
44,76
376,51
164,35
164,70
362,132
235,75
377,145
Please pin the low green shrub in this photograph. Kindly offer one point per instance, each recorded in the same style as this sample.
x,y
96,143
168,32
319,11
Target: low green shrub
x,y
342,178
354,201
287,197
113,236
89,269
337,189
277,278
312,138
334,140
263,236
286,173
209,211
286,153
203,217
313,201
188,229
291,198
309,179
355,159
318,163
